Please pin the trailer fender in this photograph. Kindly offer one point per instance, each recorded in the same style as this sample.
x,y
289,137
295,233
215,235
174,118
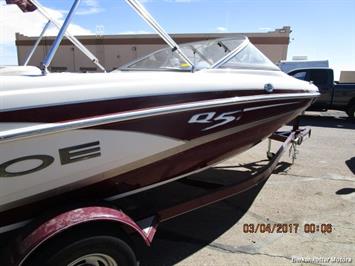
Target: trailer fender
x,y
76,217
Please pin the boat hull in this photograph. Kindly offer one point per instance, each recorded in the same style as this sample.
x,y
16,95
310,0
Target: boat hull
x,y
113,160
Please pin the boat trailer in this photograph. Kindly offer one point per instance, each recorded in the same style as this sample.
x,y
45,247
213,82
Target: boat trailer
x,y
107,219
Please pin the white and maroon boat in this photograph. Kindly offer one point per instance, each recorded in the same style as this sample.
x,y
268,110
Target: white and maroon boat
x,y
74,136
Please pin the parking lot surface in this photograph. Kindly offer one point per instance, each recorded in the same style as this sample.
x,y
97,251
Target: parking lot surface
x,y
319,189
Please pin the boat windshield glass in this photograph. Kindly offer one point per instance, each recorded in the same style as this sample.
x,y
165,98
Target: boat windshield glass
x,y
203,54
250,58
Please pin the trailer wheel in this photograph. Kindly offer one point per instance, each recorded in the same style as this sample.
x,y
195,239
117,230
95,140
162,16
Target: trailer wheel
x,y
351,111
90,251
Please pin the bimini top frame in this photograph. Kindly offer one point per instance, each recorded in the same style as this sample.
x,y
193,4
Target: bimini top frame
x,y
140,10
74,40
63,31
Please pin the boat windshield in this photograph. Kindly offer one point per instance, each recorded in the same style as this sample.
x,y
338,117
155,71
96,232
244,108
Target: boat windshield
x,y
205,54
250,58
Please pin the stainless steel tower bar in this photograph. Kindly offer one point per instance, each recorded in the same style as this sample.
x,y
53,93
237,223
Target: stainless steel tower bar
x,y
139,8
37,43
60,36
74,40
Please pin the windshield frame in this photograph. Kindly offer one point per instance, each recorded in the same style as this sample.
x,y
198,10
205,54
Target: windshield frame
x,y
229,56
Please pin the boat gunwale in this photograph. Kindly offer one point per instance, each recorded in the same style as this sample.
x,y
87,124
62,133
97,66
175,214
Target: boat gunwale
x,y
52,128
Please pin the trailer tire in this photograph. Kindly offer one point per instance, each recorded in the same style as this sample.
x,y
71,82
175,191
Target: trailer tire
x,y
95,250
351,111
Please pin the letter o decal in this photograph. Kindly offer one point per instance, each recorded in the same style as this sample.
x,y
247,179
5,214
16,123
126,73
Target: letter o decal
x,y
46,161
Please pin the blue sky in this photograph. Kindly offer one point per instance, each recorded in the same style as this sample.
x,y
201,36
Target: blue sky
x,y
322,29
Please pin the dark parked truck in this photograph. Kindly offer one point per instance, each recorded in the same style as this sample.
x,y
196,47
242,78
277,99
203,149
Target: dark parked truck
x,y
334,95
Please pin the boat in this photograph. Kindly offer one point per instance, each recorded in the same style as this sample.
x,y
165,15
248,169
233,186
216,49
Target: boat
x,y
69,137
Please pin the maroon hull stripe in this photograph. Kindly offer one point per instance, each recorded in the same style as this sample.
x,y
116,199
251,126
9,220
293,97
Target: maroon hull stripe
x,y
177,126
61,113
181,163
